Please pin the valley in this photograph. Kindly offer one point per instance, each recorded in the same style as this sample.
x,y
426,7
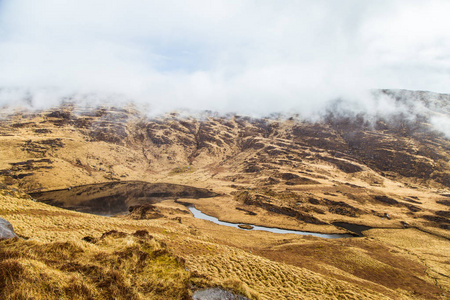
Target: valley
x,y
72,174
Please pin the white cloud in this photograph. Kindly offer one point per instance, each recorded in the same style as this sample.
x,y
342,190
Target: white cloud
x,y
247,56
441,123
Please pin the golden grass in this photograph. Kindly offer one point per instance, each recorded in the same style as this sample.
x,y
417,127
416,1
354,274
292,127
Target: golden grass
x,y
365,262
430,250
273,280
56,264
128,267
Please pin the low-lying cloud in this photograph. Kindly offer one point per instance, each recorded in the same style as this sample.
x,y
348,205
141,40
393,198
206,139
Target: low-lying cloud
x,y
250,57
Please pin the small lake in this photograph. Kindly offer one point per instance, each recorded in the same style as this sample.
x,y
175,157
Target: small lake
x,y
199,215
111,198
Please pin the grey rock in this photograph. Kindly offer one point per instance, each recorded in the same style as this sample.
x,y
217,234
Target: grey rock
x,y
6,230
216,294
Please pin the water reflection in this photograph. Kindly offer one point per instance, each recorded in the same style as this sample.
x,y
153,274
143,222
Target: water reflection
x,y
199,215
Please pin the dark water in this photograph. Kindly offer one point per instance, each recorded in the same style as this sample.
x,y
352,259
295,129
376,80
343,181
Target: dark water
x,y
357,229
199,215
112,198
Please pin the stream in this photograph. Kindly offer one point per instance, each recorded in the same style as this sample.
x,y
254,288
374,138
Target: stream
x,y
111,198
199,215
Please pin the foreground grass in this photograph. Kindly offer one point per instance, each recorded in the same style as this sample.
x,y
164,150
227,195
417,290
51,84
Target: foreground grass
x,y
68,255
118,266
163,259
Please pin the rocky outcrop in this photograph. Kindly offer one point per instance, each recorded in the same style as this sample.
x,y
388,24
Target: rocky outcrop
x,y
6,230
216,294
144,212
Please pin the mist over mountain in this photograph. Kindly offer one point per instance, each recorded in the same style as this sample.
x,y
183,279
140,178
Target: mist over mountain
x,y
238,56
389,105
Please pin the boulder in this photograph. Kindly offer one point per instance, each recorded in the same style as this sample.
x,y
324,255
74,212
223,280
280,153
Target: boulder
x,y
6,230
216,294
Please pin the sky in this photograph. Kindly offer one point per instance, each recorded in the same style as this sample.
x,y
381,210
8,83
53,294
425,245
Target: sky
x,y
248,56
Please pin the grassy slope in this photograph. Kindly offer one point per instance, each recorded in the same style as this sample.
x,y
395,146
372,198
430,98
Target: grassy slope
x,y
55,262
316,268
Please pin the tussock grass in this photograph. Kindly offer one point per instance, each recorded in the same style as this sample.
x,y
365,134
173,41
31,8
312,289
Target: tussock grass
x,y
54,263
431,250
115,267
261,278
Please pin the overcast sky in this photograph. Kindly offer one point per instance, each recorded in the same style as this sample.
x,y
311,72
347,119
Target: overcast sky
x,y
245,56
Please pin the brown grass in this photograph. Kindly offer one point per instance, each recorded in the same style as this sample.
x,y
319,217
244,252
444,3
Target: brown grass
x,y
368,263
56,264
130,267
274,280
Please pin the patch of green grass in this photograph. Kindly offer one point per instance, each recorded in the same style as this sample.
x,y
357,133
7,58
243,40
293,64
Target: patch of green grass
x,y
182,169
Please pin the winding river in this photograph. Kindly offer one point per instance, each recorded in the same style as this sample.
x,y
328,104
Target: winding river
x,y
111,198
199,215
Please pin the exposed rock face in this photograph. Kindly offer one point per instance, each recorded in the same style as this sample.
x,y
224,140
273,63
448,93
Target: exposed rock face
x,y
6,230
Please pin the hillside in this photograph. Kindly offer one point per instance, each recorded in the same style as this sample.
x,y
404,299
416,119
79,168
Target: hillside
x,y
390,174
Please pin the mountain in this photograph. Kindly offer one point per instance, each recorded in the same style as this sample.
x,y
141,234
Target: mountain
x,y
388,173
